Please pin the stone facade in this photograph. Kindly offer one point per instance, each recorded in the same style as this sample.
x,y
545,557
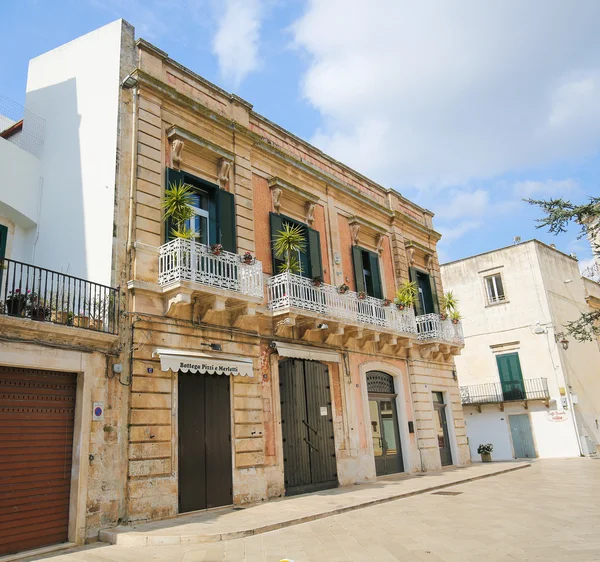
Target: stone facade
x,y
188,124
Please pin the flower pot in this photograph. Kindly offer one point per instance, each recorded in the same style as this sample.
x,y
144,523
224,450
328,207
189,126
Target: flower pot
x,y
486,457
15,307
401,306
455,321
443,317
81,321
40,314
97,325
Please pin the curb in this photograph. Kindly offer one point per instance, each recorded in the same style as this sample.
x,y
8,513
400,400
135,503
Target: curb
x,y
133,538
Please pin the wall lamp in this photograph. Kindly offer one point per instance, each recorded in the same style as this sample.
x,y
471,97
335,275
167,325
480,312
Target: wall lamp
x,y
129,82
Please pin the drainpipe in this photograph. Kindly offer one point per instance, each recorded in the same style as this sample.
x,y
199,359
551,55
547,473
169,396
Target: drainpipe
x,y
39,217
134,139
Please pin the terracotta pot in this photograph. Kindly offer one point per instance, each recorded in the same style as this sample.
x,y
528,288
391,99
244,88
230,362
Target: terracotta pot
x,y
455,321
401,306
486,457
81,321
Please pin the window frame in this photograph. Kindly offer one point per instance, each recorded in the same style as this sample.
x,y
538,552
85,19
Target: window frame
x,y
497,299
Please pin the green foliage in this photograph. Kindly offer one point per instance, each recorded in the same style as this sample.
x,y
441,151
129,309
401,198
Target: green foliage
x,y
455,316
286,244
449,303
406,293
485,449
558,214
176,205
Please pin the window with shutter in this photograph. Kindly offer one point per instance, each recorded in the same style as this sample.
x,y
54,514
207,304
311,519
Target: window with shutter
x,y
426,301
366,272
3,239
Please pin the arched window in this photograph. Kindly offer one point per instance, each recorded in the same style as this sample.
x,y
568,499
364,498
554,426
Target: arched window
x,y
380,383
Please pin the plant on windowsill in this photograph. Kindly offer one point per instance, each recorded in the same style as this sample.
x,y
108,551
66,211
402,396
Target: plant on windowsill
x,y
405,295
216,249
248,258
287,243
177,206
16,303
448,305
485,450
455,317
317,281
362,295
343,289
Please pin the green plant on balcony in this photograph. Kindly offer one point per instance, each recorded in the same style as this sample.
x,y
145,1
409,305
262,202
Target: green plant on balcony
x,y
287,244
455,317
16,303
406,294
177,209
448,305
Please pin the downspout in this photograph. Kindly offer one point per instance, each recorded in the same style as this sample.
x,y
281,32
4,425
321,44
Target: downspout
x,y
39,217
134,138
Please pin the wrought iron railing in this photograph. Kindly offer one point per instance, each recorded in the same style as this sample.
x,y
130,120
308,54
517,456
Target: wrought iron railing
x,y
41,294
495,392
30,135
287,290
185,260
432,327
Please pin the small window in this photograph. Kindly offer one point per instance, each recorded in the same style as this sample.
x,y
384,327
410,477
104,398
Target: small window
x,y
494,289
438,397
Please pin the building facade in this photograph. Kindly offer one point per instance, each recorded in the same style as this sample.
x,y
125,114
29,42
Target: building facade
x,y
526,387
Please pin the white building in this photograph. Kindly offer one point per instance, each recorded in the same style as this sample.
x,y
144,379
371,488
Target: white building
x,y
526,388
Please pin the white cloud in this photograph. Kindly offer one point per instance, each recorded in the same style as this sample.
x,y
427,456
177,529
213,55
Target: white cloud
x,y
236,41
549,188
437,93
464,204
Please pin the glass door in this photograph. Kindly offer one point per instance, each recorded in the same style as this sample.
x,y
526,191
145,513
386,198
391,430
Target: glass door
x,y
385,435
441,427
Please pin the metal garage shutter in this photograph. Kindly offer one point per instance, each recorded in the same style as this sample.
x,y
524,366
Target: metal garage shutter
x,y
37,409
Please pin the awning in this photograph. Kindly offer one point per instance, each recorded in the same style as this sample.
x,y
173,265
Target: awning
x,y
200,362
307,352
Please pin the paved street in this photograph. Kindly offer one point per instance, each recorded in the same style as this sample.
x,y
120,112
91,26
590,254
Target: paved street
x,y
550,511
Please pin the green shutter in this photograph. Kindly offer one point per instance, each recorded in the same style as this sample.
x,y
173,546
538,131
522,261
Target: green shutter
x,y
511,377
276,226
375,275
226,220
314,253
434,297
412,274
358,268
171,177
3,239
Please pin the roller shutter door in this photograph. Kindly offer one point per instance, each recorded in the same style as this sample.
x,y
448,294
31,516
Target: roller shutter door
x,y
37,411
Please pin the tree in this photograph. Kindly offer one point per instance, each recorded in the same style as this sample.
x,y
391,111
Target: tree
x,y
559,214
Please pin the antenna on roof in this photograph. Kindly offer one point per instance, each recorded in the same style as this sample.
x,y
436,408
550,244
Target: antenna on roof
x,y
516,240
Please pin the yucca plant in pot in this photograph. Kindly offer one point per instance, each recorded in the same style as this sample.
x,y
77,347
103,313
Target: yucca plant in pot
x,y
455,317
485,450
406,294
177,209
448,305
287,243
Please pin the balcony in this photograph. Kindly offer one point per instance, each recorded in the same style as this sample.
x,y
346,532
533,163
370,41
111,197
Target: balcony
x,y
495,393
43,295
221,284
323,314
437,335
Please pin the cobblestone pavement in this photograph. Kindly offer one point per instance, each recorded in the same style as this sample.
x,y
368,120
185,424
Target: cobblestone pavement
x,y
550,511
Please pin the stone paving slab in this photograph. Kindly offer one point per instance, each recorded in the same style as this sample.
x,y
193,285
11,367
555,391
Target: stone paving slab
x,y
234,523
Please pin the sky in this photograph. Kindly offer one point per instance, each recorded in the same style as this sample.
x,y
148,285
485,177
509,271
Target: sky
x,y
464,107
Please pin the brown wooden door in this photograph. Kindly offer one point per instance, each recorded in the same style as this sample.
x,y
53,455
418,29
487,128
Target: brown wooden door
x,y
37,411
205,468
307,427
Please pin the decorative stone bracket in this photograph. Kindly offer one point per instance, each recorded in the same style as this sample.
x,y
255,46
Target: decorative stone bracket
x,y
224,173
280,189
176,153
360,226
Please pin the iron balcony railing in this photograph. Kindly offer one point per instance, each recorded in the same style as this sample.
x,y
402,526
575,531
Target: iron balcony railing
x,y
432,327
495,392
185,260
21,127
41,294
287,290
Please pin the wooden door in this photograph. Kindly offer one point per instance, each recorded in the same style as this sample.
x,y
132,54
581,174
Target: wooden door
x,y
522,438
37,412
511,377
307,426
205,464
441,426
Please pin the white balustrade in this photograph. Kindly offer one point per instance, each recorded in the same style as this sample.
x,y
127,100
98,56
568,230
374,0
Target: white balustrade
x,y
432,327
287,290
185,260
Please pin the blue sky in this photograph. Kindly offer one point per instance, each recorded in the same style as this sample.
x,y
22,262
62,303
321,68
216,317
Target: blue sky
x,y
464,107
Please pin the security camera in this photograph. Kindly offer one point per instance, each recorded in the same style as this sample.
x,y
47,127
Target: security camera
x,y
322,326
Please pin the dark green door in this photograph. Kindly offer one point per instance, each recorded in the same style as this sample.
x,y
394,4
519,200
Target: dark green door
x,y
511,377
307,427
3,240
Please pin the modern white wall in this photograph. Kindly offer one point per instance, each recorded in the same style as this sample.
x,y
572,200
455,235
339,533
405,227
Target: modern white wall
x,y
75,88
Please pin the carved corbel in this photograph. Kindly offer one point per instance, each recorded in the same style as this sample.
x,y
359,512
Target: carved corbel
x,y
352,333
354,232
176,153
379,241
309,212
211,310
276,196
410,252
245,317
176,303
285,327
336,335
429,351
224,173
429,261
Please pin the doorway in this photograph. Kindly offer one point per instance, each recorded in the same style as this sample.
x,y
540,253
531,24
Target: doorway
x,y
307,427
204,420
441,427
384,423
522,437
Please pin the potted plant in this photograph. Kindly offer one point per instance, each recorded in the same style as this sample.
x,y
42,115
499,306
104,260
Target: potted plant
x,y
317,281
406,295
177,206
448,304
387,302
486,452
362,295
287,243
216,249
455,317
16,303
343,289
248,258
36,310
